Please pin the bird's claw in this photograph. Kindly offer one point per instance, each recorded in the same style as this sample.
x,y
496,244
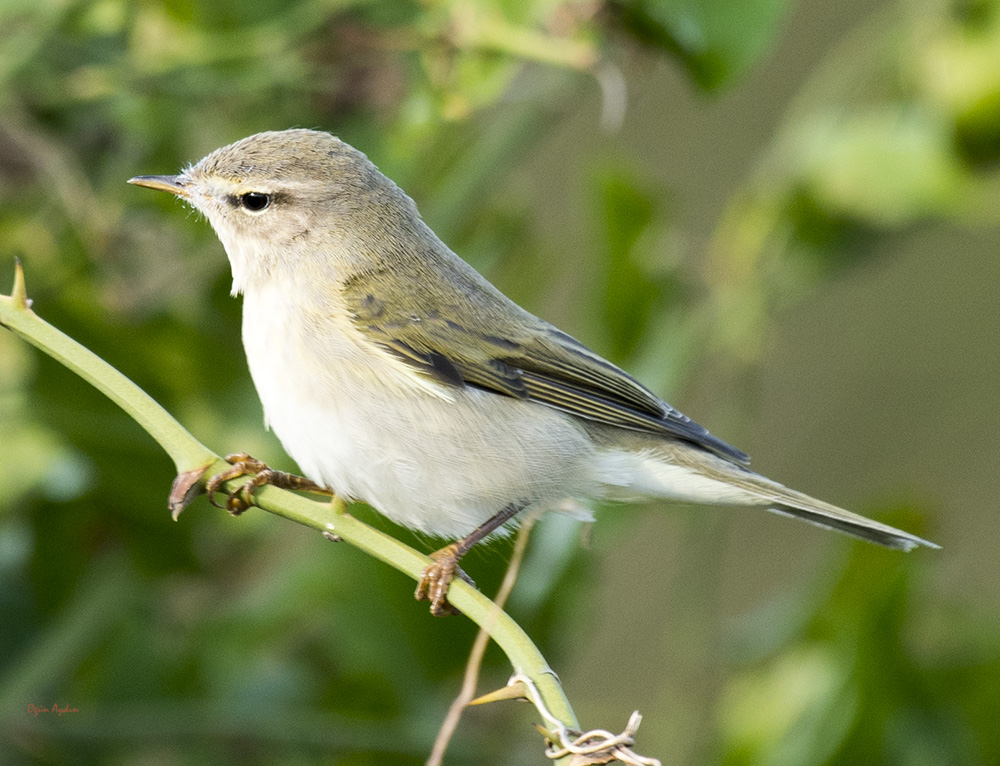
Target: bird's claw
x,y
436,580
241,498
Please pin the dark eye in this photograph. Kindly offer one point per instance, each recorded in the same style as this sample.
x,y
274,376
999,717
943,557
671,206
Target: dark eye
x,y
255,201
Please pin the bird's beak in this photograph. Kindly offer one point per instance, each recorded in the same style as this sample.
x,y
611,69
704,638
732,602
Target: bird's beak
x,y
174,184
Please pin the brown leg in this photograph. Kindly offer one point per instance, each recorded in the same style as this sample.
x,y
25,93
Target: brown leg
x,y
242,498
437,577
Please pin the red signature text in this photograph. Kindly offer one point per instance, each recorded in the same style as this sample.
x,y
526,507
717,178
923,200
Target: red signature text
x,y
57,709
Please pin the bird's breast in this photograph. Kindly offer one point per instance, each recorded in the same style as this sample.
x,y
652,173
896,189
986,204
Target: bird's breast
x,y
437,458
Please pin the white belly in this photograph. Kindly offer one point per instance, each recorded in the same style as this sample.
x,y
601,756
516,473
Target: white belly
x,y
438,459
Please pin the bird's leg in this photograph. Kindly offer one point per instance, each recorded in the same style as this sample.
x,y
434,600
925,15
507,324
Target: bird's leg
x,y
242,498
437,577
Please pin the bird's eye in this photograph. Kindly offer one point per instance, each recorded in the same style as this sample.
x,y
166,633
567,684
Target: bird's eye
x,y
255,201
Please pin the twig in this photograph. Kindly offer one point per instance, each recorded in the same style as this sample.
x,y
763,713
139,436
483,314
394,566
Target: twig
x,y
189,455
472,667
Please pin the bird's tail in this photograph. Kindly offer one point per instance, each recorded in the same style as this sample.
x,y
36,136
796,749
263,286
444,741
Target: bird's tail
x,y
753,489
788,502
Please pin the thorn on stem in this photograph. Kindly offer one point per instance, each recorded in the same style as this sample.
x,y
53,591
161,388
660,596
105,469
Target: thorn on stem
x,y
18,293
184,490
514,691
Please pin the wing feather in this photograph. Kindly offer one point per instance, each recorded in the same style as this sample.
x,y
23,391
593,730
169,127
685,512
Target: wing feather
x,y
521,357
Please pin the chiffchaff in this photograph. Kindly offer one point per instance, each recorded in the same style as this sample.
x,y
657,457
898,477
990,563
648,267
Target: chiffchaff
x,y
394,373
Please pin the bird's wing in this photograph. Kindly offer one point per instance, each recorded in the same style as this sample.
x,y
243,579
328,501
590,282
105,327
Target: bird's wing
x,y
472,335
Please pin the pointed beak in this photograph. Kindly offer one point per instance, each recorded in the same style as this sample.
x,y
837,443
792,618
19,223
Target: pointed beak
x,y
174,184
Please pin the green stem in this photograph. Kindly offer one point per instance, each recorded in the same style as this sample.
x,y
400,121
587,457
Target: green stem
x,y
189,454
16,315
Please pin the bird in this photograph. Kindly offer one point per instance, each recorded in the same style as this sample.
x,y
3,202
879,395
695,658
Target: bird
x,y
395,374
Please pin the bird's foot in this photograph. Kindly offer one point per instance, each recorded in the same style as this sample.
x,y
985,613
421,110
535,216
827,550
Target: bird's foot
x,y
241,498
437,578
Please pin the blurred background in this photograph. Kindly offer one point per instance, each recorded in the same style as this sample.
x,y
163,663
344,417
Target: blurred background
x,y
782,216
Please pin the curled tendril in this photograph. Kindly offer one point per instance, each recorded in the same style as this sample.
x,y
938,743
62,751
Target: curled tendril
x,y
596,746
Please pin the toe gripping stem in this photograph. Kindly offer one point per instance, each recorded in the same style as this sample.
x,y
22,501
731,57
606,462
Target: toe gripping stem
x,y
241,498
437,577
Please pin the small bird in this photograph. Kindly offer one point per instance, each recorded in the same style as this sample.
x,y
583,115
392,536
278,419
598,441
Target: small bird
x,y
395,374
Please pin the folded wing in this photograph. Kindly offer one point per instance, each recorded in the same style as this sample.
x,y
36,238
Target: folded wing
x,y
487,341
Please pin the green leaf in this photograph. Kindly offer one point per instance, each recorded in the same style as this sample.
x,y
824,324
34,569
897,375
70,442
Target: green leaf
x,y
885,166
717,40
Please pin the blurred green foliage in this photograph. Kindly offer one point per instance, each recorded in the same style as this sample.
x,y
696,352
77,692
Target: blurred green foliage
x,y
871,677
248,641
715,40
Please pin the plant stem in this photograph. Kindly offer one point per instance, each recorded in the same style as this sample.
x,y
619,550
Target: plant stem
x,y
189,454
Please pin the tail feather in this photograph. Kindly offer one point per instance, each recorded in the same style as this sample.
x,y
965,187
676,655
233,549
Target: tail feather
x,y
788,502
678,471
857,526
